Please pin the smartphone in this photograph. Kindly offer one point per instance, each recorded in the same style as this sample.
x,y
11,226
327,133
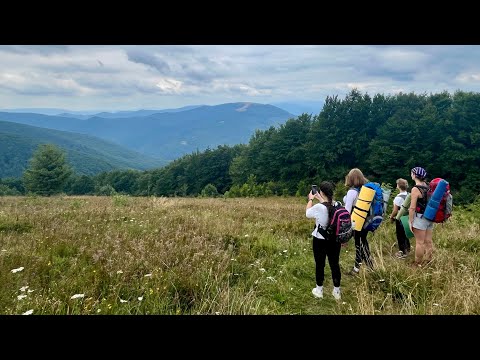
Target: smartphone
x,y
314,189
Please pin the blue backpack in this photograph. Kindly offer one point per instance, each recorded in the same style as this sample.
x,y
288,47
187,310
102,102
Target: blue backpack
x,y
376,212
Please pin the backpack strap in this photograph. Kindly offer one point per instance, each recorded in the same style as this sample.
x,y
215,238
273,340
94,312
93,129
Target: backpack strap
x,y
423,203
320,229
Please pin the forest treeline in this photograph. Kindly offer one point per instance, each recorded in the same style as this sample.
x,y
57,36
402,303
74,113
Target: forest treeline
x,y
384,135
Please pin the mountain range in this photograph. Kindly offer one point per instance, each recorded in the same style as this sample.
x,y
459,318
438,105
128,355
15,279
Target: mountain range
x,y
87,154
169,134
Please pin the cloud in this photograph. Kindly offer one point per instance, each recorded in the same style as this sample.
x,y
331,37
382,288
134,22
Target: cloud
x,y
148,59
156,76
35,49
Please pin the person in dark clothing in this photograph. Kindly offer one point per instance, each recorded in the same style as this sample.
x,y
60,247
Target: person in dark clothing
x,y
322,247
402,239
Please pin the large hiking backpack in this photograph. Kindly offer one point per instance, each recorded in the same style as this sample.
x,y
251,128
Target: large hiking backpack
x,y
446,203
377,208
340,227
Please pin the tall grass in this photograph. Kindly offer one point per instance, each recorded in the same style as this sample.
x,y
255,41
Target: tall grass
x,y
214,256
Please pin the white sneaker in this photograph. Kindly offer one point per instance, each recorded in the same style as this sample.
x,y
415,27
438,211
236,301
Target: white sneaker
x,y
317,292
336,294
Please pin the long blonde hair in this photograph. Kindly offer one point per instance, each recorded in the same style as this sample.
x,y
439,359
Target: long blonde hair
x,y
355,178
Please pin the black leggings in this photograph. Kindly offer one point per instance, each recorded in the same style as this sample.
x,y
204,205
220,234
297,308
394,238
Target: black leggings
x,y
362,250
331,249
403,242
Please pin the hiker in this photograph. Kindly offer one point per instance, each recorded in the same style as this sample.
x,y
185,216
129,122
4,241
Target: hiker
x,y
402,239
420,226
354,181
321,246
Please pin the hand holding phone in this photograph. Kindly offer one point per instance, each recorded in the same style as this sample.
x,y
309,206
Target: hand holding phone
x,y
314,189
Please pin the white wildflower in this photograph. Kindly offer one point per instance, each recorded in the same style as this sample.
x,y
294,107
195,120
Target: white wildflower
x,y
291,289
119,272
285,251
344,303
77,296
246,235
29,312
123,301
262,269
23,288
30,291
140,298
17,269
435,304
147,275
381,280
20,297
98,310
217,313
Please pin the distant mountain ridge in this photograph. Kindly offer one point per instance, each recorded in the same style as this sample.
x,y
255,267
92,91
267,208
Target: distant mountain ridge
x,y
87,154
169,135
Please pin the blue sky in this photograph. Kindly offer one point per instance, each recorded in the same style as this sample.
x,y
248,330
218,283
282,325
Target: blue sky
x,y
115,77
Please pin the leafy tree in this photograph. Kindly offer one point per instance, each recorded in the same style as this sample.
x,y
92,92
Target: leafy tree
x,y
209,191
48,171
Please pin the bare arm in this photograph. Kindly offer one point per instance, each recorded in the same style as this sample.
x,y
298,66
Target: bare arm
x,y
395,210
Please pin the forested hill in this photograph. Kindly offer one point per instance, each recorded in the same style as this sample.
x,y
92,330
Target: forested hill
x,y
87,154
384,136
169,135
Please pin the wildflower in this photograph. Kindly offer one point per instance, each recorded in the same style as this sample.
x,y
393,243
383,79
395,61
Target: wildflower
x,y
77,296
435,304
23,288
119,272
20,297
381,280
291,289
98,310
217,313
285,251
148,275
140,298
246,235
17,269
123,301
29,312
30,291
262,269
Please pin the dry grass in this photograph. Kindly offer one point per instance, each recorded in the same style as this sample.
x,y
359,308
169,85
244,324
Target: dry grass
x,y
213,256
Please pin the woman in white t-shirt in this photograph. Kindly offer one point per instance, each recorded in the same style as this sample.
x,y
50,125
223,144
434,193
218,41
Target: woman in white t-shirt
x,y
402,239
321,246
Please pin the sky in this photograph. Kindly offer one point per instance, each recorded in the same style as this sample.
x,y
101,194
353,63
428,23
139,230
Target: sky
x,y
133,77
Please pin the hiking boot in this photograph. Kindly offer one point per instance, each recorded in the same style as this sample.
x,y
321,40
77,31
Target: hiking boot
x,y
336,294
400,255
318,293
353,272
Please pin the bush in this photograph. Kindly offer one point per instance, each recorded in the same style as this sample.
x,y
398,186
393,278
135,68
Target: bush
x,y
106,190
209,191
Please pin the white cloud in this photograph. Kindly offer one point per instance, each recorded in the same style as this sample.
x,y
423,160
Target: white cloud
x,y
81,77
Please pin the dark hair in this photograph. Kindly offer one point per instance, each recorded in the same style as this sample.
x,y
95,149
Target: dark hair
x,y
327,188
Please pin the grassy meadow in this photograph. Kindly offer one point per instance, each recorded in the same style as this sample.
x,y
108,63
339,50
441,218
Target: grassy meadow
x,y
214,256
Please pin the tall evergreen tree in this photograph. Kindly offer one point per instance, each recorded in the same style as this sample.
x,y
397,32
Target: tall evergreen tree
x,y
48,171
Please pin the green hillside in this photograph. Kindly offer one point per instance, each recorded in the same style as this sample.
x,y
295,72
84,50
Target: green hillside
x,y
87,154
